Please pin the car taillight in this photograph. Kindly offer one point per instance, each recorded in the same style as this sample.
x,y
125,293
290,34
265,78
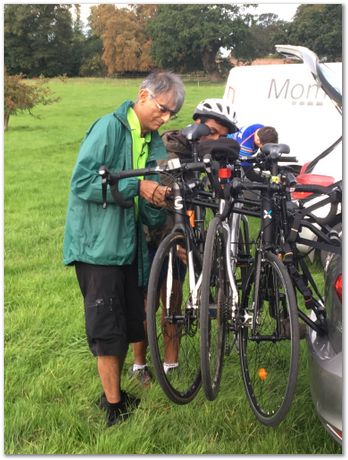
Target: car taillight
x,y
338,286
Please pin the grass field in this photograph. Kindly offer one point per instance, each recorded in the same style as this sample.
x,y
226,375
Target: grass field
x,y
50,379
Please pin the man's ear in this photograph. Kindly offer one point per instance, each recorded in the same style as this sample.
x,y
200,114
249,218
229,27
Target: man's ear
x,y
143,95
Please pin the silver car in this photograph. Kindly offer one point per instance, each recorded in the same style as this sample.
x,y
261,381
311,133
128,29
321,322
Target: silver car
x,y
325,350
325,354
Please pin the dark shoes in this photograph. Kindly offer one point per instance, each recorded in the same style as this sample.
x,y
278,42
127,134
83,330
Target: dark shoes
x,y
117,413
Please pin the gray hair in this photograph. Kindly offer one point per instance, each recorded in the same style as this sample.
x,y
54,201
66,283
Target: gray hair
x,y
166,82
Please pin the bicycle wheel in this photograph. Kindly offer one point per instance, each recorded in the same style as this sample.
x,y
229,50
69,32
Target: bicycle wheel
x,y
213,309
173,318
240,255
269,340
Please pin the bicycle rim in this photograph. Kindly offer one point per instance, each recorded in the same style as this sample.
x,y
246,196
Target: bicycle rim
x,y
240,249
213,309
269,351
172,322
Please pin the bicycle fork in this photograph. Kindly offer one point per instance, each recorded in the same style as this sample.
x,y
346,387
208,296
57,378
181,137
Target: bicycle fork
x,y
179,224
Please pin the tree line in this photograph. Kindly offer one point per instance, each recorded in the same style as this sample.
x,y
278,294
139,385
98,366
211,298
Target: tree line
x,y
49,39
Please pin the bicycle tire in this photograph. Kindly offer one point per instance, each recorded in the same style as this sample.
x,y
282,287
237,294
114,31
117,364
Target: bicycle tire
x,y
172,326
269,354
213,308
240,253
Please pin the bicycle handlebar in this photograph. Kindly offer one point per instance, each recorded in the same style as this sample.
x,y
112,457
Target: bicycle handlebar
x,y
238,184
260,158
113,178
317,189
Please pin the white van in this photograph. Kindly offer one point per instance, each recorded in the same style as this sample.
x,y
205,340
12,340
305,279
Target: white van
x,y
287,97
304,103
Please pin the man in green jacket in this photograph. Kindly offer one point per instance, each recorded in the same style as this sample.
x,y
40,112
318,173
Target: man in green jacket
x,y
107,246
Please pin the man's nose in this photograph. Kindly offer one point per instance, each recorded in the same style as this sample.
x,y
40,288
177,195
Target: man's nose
x,y
165,116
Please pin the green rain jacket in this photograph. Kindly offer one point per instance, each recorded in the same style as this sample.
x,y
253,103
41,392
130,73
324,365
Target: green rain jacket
x,y
109,236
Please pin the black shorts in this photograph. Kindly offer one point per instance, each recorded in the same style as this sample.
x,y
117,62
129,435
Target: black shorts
x,y
114,307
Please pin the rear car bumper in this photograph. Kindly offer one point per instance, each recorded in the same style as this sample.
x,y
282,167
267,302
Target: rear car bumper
x,y
326,383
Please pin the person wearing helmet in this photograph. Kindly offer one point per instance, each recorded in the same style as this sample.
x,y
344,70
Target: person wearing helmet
x,y
214,113
218,116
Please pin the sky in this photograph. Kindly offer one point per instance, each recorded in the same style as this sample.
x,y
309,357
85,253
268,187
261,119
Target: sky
x,y
285,11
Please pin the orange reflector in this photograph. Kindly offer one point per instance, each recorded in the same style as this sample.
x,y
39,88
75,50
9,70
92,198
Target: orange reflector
x,y
262,373
191,216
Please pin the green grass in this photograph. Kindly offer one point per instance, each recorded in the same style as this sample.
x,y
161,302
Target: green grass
x,y
50,377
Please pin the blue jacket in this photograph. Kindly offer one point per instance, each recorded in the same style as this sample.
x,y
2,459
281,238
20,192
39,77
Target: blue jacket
x,y
245,138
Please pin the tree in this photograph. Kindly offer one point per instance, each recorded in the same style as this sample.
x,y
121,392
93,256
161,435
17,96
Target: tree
x,y
38,39
259,37
92,64
318,27
188,37
126,45
77,42
20,96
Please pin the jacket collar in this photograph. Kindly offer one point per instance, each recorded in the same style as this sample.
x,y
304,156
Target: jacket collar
x,y
121,112
157,149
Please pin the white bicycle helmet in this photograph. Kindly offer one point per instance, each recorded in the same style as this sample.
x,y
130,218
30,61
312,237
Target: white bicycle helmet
x,y
219,110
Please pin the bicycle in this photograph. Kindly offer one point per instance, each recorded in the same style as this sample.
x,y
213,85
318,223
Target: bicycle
x,y
289,220
268,330
268,299
225,262
175,279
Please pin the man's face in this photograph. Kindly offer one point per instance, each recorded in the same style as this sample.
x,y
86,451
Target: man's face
x,y
257,141
153,111
216,130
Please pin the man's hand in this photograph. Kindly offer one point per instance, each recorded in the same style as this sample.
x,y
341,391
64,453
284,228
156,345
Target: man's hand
x,y
153,192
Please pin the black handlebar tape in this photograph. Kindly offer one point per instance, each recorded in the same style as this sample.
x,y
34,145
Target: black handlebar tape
x,y
291,179
263,159
312,188
114,178
199,167
118,197
240,184
287,159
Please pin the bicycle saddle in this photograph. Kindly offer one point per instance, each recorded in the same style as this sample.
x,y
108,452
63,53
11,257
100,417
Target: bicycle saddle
x,y
195,131
275,149
222,149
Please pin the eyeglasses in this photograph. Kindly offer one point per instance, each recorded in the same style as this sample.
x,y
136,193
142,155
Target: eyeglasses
x,y
162,108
